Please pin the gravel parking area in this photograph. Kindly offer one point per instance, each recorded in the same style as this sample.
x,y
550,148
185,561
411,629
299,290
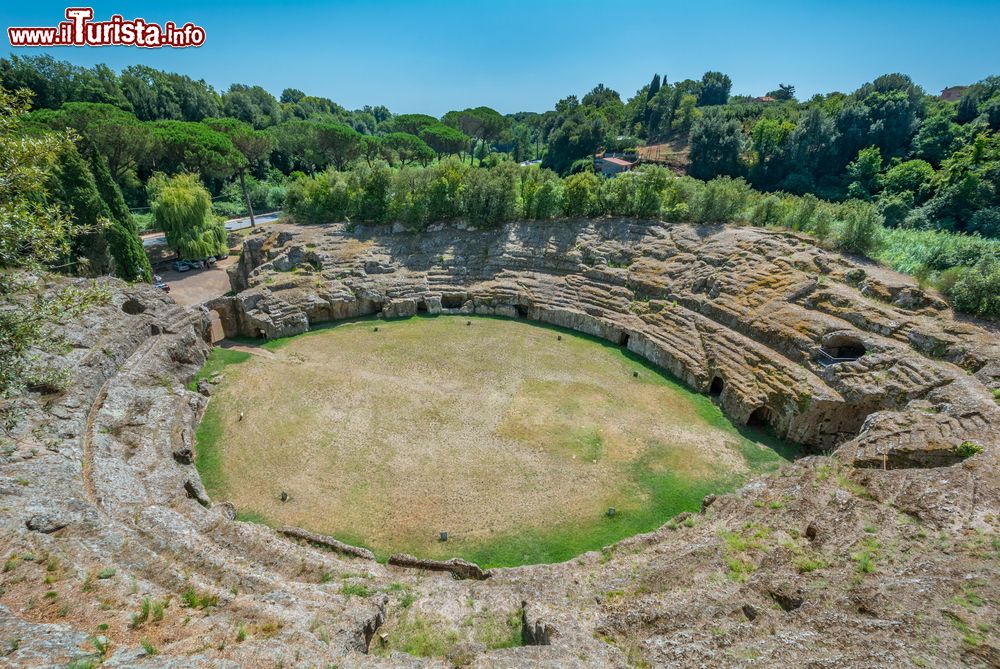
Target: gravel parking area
x,y
198,285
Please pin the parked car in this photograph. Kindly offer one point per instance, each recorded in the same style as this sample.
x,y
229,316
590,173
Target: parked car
x,y
181,266
222,256
209,261
162,286
194,264
157,278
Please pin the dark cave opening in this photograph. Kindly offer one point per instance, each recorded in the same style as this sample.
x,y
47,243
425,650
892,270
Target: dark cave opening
x,y
760,417
843,348
452,301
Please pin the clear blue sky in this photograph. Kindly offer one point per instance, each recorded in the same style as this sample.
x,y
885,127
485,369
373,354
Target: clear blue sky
x,y
432,56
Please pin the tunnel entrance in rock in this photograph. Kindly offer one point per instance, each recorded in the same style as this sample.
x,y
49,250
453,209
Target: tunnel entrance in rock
x,y
522,311
453,301
760,417
842,348
422,307
623,339
718,385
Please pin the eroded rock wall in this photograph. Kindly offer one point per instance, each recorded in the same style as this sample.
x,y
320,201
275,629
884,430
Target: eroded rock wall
x,y
753,312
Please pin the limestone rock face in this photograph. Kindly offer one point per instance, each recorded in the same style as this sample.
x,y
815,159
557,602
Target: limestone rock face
x,y
881,552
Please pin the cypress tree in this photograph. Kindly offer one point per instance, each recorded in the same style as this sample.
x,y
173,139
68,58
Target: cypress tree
x,y
109,190
654,87
124,243
131,261
74,188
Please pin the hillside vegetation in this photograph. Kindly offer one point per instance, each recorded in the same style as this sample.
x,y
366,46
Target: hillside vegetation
x,y
887,171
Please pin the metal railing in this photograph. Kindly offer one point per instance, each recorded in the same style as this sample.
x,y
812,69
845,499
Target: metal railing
x,y
827,360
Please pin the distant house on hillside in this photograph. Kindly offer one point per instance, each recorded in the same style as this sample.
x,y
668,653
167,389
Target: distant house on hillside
x,y
953,93
764,98
610,166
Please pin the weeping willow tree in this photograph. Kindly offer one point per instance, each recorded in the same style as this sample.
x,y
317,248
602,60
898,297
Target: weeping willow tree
x,y
182,208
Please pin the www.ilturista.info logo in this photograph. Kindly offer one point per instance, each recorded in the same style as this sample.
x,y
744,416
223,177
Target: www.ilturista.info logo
x,y
79,29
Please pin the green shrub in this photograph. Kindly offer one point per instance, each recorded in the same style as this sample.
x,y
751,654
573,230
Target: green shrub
x,y
722,200
617,196
323,198
986,222
541,194
355,590
373,186
490,195
967,449
193,599
976,290
861,228
652,182
866,562
800,211
419,635
148,647
769,210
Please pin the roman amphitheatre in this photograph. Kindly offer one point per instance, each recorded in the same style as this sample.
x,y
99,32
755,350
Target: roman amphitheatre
x,y
277,500
515,440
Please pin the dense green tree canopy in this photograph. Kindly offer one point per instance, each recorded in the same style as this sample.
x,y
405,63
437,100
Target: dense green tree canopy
x,y
778,142
339,143
125,142
408,148
411,123
253,105
54,82
156,95
715,88
716,145
444,139
184,145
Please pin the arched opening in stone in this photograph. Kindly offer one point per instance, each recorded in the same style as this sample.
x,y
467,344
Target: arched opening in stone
x,y
452,301
760,417
623,339
422,307
133,307
718,385
522,311
842,348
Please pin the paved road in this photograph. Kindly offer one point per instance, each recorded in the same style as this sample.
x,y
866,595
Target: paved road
x,y
157,238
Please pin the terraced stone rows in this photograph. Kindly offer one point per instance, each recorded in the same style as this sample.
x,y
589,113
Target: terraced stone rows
x,y
661,590
748,292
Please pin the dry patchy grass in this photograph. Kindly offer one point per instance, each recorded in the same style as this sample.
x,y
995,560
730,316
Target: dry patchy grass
x,y
512,441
